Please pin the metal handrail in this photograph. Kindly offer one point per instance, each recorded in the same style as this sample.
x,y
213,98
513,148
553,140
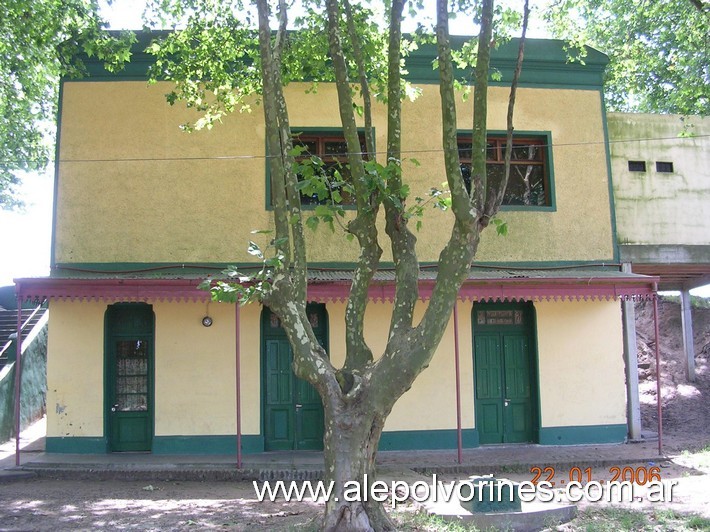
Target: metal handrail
x,y
22,328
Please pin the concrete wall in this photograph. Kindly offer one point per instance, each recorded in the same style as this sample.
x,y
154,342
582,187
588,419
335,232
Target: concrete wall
x,y
661,208
133,188
33,385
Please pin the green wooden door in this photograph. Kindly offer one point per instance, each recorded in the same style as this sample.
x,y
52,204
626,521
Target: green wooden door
x,y
517,403
488,366
129,377
504,376
293,412
279,401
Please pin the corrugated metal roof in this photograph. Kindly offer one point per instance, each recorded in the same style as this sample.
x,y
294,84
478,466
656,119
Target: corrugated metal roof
x,y
333,284
477,273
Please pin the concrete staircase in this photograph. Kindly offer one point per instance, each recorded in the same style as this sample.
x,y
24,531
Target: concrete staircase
x,y
8,330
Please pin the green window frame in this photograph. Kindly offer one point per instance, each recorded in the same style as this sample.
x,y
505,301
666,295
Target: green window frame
x,y
531,184
330,146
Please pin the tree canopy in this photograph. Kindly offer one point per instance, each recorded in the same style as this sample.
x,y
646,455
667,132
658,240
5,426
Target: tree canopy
x,y
659,51
39,41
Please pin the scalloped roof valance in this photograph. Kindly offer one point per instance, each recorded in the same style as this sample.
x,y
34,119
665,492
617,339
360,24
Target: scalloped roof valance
x,y
334,285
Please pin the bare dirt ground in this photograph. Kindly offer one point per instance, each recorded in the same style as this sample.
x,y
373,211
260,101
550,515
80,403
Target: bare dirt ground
x,y
686,415
120,505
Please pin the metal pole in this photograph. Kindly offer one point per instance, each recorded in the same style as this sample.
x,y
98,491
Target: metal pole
x,y
633,405
686,315
239,385
458,383
18,374
658,370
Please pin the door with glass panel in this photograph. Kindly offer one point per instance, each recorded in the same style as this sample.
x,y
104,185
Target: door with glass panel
x,y
129,377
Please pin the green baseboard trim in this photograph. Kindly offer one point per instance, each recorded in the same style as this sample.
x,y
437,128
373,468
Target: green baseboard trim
x,y
207,444
409,440
585,434
76,445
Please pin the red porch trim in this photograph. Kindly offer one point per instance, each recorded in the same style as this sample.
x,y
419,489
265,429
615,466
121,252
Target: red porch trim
x,y
506,289
111,289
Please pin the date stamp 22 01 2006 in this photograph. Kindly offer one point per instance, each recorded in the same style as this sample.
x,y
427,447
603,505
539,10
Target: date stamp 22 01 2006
x,y
615,483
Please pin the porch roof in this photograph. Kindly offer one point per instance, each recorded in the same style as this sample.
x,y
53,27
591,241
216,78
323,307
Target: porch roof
x,y
483,283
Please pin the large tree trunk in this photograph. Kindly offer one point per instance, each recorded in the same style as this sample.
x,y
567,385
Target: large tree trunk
x,y
352,434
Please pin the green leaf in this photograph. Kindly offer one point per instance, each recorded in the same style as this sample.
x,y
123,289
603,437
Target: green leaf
x,y
254,250
298,149
312,222
206,284
501,226
658,51
323,210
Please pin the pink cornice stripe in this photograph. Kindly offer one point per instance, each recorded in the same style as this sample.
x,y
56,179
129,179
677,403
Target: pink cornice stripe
x,y
111,289
504,290
550,289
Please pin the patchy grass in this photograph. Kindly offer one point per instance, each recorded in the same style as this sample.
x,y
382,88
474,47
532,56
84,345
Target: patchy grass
x,y
609,519
408,519
699,458
612,519
695,301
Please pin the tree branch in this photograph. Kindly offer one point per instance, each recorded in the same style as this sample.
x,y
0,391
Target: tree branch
x,y
699,4
273,135
460,201
363,226
364,84
455,258
345,106
402,240
293,196
495,197
479,181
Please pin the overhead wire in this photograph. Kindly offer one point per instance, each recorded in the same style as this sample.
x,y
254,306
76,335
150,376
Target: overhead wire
x,y
344,154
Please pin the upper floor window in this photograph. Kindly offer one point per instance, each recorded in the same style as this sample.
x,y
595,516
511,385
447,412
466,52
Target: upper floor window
x,y
529,182
664,166
325,154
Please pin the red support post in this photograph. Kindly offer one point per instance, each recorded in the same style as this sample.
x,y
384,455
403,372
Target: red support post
x,y
18,381
459,444
239,391
659,408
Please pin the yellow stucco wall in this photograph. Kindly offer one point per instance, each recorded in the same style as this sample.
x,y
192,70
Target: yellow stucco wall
x,y
581,363
193,391
75,369
195,371
133,188
432,396
581,372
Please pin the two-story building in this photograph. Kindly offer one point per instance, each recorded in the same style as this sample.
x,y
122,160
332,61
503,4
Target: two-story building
x,y
140,359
